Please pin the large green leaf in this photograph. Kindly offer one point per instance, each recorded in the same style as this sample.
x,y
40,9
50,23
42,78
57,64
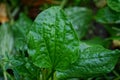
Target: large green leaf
x,y
20,29
114,4
93,60
52,40
80,18
107,16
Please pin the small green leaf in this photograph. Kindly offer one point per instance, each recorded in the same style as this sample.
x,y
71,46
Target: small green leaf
x,y
52,40
114,4
20,29
107,16
80,18
23,68
6,41
113,30
93,60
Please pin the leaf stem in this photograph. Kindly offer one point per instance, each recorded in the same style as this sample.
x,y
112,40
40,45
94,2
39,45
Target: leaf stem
x,y
43,74
16,10
4,73
51,75
116,74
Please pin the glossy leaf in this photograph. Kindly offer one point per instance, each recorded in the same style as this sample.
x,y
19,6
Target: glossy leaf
x,y
80,18
52,40
93,60
114,4
107,16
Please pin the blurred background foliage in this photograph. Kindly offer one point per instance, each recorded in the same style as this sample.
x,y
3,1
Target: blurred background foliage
x,y
96,22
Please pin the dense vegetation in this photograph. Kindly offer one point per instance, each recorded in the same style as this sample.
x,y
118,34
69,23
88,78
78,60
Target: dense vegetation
x,y
59,40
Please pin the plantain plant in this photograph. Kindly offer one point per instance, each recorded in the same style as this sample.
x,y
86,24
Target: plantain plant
x,y
54,47
50,49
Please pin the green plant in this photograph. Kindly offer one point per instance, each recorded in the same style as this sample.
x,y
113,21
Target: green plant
x,y
52,42
50,49
55,50
6,45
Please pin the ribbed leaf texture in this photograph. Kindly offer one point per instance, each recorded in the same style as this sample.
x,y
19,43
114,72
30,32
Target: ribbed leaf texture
x,y
93,60
52,40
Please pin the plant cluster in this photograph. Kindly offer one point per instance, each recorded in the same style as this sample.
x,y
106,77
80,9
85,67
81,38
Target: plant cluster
x,y
56,45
